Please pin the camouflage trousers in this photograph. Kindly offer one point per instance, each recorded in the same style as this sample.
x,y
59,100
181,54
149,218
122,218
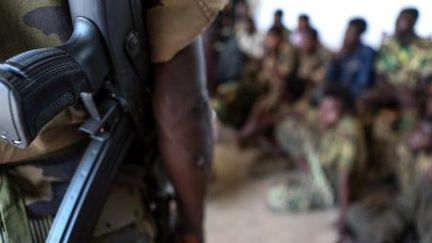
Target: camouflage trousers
x,y
405,219
304,191
31,194
298,194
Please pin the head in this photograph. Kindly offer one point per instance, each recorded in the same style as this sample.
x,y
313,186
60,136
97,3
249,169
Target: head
x,y
356,28
406,21
303,22
273,38
278,17
241,10
310,40
335,103
421,138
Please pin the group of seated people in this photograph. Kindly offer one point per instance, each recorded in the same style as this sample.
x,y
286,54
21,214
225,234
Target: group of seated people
x,y
357,123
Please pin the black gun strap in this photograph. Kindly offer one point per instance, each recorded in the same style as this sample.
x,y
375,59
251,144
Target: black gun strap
x,y
82,203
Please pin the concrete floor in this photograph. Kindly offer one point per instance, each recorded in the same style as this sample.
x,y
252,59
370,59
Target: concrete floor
x,y
237,212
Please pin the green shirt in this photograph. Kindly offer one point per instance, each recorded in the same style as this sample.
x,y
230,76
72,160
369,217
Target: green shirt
x,y
404,65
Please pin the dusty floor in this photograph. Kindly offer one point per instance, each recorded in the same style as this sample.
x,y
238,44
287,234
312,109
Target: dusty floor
x,y
237,213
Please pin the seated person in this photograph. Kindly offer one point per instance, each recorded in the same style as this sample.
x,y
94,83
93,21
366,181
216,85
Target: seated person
x,y
313,60
403,215
303,24
353,66
328,145
279,25
250,41
403,57
403,65
277,66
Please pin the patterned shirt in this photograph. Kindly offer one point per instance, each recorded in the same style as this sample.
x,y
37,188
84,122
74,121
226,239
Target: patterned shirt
x,y
404,65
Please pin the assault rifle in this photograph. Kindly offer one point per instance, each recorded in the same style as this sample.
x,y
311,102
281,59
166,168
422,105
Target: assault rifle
x,y
105,66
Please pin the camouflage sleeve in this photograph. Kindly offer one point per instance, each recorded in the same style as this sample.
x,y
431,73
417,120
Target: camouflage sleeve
x,y
174,24
348,141
385,61
286,61
348,153
319,75
380,64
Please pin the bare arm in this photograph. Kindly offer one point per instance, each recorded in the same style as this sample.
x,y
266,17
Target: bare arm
x,y
344,194
185,135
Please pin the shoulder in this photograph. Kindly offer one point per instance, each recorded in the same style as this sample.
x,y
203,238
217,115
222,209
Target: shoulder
x,y
324,52
175,24
389,45
423,43
368,50
349,126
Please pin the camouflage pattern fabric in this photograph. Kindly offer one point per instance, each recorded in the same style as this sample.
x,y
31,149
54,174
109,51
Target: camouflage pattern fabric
x,y
14,221
403,218
343,147
29,25
327,152
234,100
312,67
284,62
30,194
404,65
50,160
410,167
38,189
411,207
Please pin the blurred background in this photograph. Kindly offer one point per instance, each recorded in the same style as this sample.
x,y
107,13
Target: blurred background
x,y
324,117
330,17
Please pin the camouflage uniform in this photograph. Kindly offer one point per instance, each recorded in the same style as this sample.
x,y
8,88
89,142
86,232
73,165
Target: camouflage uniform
x,y
35,179
388,129
327,152
234,100
403,65
391,217
312,67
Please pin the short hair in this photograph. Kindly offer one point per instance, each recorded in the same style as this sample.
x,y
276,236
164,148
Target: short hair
x,y
304,17
411,11
342,94
359,23
312,32
279,12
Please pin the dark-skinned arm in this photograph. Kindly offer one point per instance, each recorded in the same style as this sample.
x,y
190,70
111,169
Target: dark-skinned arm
x,y
185,135
344,194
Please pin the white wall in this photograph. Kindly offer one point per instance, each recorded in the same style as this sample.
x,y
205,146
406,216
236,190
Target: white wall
x,y
331,16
